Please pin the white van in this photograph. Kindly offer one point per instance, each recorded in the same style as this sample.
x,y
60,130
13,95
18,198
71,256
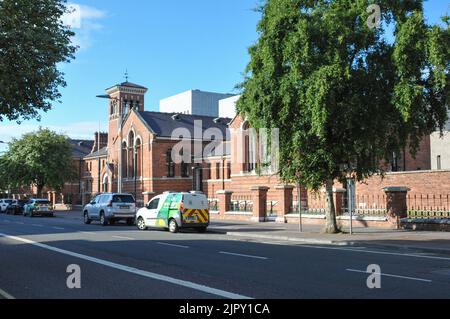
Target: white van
x,y
174,211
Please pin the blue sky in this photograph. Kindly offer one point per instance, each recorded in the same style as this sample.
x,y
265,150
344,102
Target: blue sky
x,y
169,46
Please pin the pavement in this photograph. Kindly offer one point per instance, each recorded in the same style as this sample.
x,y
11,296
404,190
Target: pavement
x,y
311,234
37,255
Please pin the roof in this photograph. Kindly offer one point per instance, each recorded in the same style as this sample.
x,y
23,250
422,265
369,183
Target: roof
x,y
163,124
81,148
100,153
128,84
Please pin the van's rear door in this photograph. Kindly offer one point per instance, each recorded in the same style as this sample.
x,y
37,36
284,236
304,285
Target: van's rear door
x,y
195,209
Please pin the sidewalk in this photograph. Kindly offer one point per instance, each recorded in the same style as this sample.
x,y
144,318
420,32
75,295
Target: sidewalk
x,y
435,242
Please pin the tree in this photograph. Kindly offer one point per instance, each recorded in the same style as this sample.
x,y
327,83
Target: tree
x,y
345,96
33,40
42,159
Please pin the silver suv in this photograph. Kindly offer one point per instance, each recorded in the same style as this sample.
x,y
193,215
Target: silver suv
x,y
109,208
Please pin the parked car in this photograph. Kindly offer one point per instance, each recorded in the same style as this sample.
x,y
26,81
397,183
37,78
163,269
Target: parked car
x,y
38,207
4,203
109,208
175,211
16,207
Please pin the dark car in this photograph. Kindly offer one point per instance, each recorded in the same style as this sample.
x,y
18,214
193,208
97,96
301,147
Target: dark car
x,y
16,207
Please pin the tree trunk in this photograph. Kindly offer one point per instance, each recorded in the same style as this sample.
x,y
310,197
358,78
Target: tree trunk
x,y
330,212
39,189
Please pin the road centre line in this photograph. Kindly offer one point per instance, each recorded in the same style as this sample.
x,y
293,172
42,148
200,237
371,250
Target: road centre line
x,y
58,228
143,273
242,255
390,275
173,245
376,252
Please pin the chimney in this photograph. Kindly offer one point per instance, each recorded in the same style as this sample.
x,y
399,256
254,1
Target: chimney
x,y
100,141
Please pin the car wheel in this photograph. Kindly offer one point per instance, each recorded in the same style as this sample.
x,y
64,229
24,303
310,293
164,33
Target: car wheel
x,y
141,224
130,221
202,229
173,226
103,220
86,218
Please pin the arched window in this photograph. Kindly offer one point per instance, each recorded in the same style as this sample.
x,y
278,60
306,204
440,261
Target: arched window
x,y
138,158
170,164
131,157
105,184
250,144
124,160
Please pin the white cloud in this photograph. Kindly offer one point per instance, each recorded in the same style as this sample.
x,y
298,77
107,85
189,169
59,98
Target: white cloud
x,y
84,21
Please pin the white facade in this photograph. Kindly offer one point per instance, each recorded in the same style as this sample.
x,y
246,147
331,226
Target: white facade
x,y
440,149
193,102
227,107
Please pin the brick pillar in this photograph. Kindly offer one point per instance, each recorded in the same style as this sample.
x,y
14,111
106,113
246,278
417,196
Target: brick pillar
x,y
62,199
339,200
396,204
224,198
148,196
54,198
285,198
259,196
49,196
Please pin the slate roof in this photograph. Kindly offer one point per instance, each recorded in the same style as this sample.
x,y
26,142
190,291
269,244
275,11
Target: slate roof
x,y
81,148
128,84
163,124
100,153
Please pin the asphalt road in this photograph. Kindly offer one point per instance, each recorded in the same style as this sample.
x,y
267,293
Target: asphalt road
x,y
122,262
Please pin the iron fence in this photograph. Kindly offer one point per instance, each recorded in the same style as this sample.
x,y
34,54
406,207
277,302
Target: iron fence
x,y
213,204
428,205
241,203
367,205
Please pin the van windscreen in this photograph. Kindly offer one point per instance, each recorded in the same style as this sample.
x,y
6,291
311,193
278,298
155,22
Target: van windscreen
x,y
123,199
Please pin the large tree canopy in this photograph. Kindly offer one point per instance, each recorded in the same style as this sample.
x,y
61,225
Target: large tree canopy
x,y
42,159
345,96
33,40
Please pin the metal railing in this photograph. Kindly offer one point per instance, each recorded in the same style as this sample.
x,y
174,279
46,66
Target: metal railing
x,y
428,205
213,204
368,205
241,203
312,203
272,208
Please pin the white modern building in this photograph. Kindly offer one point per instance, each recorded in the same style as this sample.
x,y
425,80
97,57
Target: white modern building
x,y
193,102
440,149
227,107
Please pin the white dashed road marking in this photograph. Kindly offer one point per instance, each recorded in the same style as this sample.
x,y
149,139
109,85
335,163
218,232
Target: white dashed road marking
x,y
390,275
242,255
173,245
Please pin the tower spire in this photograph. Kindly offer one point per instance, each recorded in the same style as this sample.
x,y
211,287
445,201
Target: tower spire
x,y
126,75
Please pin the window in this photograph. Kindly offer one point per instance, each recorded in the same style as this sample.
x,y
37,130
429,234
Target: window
x,y
184,169
439,166
208,171
124,161
170,164
217,170
153,204
123,199
228,170
131,155
138,158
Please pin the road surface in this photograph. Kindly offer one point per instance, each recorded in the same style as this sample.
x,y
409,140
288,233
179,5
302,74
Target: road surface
x,y
121,262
